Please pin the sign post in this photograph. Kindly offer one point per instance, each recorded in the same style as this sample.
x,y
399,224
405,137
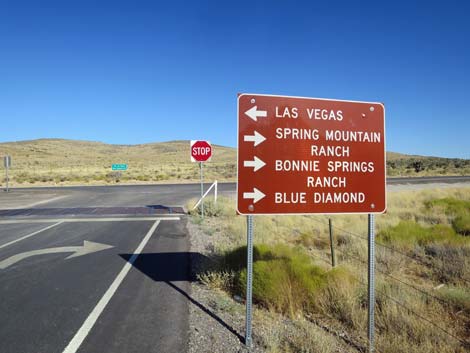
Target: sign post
x,y
201,151
7,164
310,156
332,245
202,190
249,281
371,282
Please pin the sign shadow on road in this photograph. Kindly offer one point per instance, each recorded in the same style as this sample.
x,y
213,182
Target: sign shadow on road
x,y
173,267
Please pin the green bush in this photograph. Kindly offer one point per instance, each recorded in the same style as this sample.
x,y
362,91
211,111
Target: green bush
x,y
284,278
451,206
407,234
456,208
461,224
211,209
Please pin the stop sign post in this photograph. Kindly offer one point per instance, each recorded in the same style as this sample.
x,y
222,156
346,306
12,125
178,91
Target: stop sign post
x,y
201,151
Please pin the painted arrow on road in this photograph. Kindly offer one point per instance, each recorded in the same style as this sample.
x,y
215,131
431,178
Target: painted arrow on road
x,y
257,164
254,114
256,195
257,138
87,248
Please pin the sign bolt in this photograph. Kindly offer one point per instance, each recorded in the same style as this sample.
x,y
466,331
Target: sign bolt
x,y
253,100
363,115
372,109
251,208
372,205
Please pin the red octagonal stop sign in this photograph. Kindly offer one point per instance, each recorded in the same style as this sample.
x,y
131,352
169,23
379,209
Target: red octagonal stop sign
x,y
201,151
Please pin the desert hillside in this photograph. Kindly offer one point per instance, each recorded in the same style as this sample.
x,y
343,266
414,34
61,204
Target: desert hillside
x,y
59,161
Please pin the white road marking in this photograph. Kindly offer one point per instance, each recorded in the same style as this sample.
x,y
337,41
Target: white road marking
x,y
86,327
31,205
42,202
88,247
78,220
31,234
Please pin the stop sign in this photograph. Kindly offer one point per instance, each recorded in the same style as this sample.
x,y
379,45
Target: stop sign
x,y
201,151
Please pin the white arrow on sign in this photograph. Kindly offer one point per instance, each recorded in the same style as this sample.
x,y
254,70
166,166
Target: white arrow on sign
x,y
257,164
254,114
87,248
257,138
256,195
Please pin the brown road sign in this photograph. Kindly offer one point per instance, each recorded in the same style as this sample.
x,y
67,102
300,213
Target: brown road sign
x,y
308,155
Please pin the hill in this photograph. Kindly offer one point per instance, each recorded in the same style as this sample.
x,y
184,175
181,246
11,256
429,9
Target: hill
x,y
60,161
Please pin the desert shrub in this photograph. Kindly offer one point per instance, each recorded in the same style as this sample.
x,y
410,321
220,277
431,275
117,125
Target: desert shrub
x,y
340,298
21,178
284,278
211,209
450,205
389,261
222,280
236,259
407,234
306,240
461,223
312,240
449,263
143,178
456,209
458,296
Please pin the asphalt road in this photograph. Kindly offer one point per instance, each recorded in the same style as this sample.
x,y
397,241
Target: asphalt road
x,y
125,287
100,269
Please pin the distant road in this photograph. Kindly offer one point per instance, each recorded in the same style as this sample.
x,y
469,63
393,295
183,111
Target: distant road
x,y
430,179
188,190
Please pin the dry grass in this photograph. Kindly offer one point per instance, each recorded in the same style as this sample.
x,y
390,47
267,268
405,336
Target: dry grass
x,y
65,162
294,336
58,162
343,301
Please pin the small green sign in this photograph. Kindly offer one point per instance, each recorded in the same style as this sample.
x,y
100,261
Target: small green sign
x,y
119,167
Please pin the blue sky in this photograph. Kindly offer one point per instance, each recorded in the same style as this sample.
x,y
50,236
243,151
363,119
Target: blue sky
x,y
147,71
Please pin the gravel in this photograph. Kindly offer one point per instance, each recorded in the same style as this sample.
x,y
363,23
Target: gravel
x,y
216,321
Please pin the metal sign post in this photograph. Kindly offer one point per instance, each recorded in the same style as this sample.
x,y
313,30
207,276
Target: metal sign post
x,y
249,280
371,282
7,164
332,245
202,190
6,178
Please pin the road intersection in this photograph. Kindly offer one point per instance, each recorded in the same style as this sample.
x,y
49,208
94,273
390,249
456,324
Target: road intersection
x,y
95,270
99,269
